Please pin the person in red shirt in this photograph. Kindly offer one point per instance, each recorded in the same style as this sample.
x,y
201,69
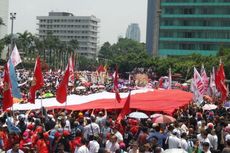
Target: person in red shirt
x,y
41,145
25,143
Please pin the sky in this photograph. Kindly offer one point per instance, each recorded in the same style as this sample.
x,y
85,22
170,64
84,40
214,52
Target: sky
x,y
115,15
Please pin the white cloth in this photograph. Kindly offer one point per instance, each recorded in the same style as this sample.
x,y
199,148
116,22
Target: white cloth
x,y
174,142
82,149
112,147
202,140
93,146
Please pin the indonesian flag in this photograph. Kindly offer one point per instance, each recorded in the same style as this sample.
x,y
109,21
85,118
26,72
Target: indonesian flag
x,y
220,82
15,56
125,110
7,95
198,86
37,81
205,79
115,85
62,90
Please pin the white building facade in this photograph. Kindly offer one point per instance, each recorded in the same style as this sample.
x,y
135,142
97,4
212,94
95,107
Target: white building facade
x,y
133,32
66,27
4,14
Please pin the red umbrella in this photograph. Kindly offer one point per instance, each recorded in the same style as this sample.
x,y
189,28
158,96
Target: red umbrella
x,y
164,119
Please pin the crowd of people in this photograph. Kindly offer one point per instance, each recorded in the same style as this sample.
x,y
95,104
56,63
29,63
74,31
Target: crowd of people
x,y
97,131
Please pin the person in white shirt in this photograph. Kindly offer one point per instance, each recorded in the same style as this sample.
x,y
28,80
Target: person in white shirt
x,y
112,144
118,134
93,145
184,143
173,140
206,147
213,139
203,137
92,128
81,147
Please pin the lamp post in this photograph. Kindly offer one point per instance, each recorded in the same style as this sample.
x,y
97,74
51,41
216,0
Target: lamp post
x,y
12,17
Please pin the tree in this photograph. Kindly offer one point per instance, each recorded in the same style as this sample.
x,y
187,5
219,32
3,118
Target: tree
x,y
1,22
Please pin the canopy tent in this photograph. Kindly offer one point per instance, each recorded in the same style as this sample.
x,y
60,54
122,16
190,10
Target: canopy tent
x,y
166,101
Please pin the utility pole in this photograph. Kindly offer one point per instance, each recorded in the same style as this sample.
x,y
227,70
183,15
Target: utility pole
x,y
12,17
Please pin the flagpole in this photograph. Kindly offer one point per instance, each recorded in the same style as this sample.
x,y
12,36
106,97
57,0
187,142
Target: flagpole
x,y
41,101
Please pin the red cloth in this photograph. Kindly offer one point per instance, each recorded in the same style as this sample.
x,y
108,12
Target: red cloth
x,y
7,95
125,110
61,93
37,82
115,85
100,69
220,82
166,101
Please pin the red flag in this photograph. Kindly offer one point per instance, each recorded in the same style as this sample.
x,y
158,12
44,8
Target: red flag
x,y
37,81
220,82
100,69
7,95
115,85
125,110
61,92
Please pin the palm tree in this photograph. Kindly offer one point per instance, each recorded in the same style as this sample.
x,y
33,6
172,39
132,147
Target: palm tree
x,y
25,42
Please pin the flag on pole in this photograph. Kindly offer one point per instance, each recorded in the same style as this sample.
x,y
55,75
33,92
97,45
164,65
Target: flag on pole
x,y
71,68
62,90
115,85
15,56
220,82
205,79
170,79
213,90
7,95
198,86
14,81
125,110
37,81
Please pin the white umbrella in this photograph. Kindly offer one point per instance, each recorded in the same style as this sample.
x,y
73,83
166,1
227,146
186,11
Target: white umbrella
x,y
174,150
138,115
209,107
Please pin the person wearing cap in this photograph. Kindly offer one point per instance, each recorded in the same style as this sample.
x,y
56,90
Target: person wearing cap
x,y
173,140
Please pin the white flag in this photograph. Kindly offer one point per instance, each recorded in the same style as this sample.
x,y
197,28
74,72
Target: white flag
x,y
15,56
170,79
198,84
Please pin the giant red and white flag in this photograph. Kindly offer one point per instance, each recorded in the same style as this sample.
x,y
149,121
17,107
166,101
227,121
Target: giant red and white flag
x,y
15,56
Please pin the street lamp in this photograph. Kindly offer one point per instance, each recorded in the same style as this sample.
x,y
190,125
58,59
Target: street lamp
x,y
12,17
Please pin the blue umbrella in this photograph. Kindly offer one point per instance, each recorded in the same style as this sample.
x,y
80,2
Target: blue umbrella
x,y
227,104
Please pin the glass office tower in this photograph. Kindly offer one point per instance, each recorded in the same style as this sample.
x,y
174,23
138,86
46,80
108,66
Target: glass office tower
x,y
193,26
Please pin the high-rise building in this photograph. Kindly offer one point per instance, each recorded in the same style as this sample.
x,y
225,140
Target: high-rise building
x,y
133,32
66,27
4,13
193,26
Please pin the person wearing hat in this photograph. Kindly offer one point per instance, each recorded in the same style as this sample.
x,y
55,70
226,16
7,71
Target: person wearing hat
x,y
173,140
